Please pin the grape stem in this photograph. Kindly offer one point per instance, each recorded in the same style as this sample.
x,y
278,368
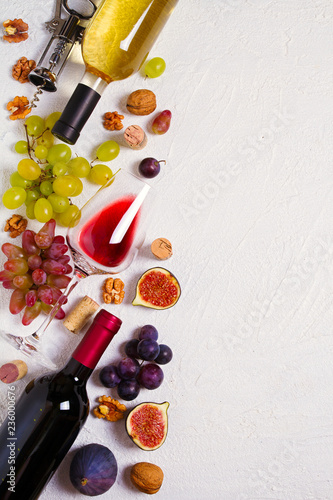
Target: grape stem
x,y
28,142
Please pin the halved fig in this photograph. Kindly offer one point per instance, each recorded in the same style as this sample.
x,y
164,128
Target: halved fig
x,y
147,425
157,288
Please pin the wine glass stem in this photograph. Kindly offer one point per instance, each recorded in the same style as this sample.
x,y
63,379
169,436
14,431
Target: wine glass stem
x,y
70,287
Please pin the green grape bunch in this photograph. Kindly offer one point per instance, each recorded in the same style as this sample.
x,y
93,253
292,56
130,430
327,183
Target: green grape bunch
x,y
48,177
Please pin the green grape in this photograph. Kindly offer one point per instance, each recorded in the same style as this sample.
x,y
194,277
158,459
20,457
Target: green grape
x,y
35,125
29,169
65,185
30,210
70,217
155,67
78,186
46,188
59,152
16,180
46,139
59,203
51,119
108,151
14,197
21,147
79,167
32,195
43,210
59,168
100,174
41,152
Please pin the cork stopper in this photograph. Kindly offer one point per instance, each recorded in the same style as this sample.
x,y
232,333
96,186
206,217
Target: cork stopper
x,y
80,315
135,137
13,371
161,248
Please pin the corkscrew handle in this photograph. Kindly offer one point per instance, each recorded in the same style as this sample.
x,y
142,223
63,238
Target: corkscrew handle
x,y
65,32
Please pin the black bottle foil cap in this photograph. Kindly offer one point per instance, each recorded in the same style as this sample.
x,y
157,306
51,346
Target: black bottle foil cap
x,y
76,113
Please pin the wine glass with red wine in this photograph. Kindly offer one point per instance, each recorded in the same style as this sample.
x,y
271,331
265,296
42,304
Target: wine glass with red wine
x,y
104,237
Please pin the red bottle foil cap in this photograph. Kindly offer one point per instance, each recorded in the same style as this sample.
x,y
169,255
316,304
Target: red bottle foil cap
x,y
97,339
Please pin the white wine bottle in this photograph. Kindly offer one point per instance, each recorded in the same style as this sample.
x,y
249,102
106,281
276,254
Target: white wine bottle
x,y
116,43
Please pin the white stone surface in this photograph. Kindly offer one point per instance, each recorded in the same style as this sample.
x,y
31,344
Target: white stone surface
x,y
246,200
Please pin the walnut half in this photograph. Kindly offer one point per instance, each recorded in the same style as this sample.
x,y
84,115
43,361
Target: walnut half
x,y
113,291
16,30
22,69
110,409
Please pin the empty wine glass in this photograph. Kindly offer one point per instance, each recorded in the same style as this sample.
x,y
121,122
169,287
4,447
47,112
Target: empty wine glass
x,y
104,238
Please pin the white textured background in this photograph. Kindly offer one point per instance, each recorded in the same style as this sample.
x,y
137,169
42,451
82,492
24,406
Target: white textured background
x,y
246,200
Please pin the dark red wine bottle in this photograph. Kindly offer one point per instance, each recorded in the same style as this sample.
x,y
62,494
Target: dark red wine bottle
x,y
49,415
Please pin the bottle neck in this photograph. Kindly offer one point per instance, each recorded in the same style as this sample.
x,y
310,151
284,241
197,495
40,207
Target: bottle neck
x,y
96,83
77,370
97,339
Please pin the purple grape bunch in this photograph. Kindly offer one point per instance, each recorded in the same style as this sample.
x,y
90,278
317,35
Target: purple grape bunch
x,y
129,376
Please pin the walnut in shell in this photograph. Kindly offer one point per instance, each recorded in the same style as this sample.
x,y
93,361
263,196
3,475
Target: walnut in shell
x,y
147,477
141,102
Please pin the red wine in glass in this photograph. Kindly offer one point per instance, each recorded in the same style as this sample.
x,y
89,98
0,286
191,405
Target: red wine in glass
x,y
95,235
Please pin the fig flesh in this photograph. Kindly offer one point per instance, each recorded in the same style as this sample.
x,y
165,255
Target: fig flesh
x,y
157,288
147,425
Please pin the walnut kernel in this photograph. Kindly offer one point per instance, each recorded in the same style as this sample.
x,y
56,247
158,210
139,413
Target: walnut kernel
x,y
112,121
113,291
19,107
16,225
16,30
22,69
110,409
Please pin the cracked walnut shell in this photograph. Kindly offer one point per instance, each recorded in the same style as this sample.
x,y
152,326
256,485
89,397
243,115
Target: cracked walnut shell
x,y
16,30
113,291
22,69
110,409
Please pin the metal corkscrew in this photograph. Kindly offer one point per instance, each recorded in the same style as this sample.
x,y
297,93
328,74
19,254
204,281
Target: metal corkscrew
x,y
65,33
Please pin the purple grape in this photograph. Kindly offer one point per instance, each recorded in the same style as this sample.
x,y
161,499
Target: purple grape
x,y
148,332
131,348
109,376
150,167
165,355
150,376
148,349
128,368
128,389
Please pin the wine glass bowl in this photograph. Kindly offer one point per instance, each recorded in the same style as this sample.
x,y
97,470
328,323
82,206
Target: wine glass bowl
x,y
109,230
104,237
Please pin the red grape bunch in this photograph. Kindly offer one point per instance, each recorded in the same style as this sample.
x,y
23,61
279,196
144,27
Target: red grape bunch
x,y
37,272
